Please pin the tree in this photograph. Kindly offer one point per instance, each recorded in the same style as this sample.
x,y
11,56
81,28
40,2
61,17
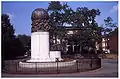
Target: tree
x,y
56,17
7,28
55,6
7,33
24,39
59,14
54,9
108,26
11,47
82,18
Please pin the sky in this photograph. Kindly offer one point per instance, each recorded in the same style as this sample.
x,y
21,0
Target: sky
x,y
20,12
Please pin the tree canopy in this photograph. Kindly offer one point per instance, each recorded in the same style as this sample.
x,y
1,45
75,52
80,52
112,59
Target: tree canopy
x,y
82,18
108,26
7,28
11,46
24,39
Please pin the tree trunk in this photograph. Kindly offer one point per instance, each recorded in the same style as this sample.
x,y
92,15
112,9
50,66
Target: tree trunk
x,y
55,42
61,44
80,49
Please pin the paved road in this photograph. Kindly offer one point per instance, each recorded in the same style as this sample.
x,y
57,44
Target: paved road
x,y
109,69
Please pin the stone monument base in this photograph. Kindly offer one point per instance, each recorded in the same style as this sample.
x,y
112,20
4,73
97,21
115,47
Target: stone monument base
x,y
46,64
40,48
52,58
41,60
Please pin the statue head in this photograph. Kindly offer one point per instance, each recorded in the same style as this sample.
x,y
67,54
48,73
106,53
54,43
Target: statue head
x,y
40,20
39,14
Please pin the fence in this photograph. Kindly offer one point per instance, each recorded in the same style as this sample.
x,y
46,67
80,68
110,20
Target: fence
x,y
83,64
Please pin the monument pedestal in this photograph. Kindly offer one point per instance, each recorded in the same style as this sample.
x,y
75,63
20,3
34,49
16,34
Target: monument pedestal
x,y
55,54
40,47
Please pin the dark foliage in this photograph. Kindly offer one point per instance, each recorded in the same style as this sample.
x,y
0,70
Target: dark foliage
x,y
83,19
11,46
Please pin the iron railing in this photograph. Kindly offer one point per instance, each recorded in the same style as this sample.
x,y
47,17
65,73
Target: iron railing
x,y
83,64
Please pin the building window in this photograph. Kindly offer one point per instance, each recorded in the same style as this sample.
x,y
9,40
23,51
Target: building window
x,y
70,32
103,44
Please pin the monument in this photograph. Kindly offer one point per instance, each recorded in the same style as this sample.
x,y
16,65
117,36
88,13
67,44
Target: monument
x,y
40,49
40,38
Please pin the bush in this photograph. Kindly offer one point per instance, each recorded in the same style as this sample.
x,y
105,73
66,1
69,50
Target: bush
x,y
13,49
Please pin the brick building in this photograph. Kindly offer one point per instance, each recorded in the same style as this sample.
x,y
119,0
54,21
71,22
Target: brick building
x,y
110,43
113,42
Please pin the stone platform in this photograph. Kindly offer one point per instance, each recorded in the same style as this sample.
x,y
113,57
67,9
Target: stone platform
x,y
46,64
